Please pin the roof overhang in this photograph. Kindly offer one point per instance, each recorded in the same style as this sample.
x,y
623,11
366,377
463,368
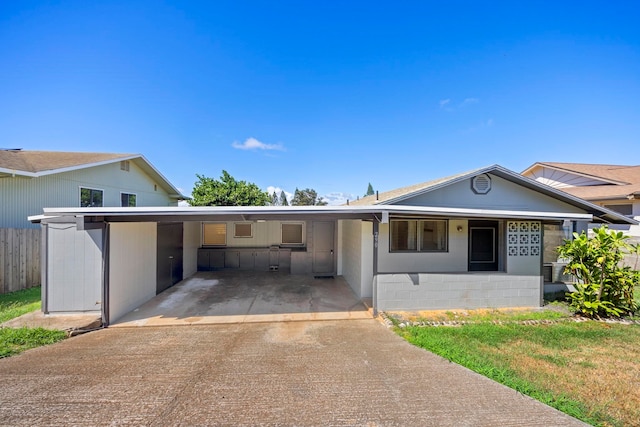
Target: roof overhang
x,y
538,165
379,213
138,159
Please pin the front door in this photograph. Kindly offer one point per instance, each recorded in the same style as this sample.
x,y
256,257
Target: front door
x,y
169,262
483,246
323,240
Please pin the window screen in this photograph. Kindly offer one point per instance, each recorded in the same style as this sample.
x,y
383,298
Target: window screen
x,y
292,234
214,234
90,198
242,229
419,235
127,200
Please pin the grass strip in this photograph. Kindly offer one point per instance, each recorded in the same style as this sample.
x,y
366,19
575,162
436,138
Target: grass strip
x,y
17,303
17,340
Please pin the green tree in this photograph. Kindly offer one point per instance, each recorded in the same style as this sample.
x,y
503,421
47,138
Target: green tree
x,y
227,192
604,285
370,191
283,199
274,199
307,197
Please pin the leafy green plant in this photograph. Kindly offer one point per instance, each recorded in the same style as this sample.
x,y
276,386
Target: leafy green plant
x,y
604,286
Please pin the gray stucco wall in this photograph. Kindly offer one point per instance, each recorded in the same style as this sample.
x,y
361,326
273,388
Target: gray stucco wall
x,y
414,292
73,269
357,256
132,266
191,242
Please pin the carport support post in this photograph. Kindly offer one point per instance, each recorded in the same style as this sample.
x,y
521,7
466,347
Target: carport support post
x,y
376,232
106,234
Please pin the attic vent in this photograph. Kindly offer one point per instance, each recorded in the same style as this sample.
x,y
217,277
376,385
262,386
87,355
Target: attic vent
x,y
481,184
124,165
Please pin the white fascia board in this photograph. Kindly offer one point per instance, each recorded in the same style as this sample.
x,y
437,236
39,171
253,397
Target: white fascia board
x,y
487,213
299,210
177,192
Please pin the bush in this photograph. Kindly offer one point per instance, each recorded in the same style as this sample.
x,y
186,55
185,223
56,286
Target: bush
x,y
604,286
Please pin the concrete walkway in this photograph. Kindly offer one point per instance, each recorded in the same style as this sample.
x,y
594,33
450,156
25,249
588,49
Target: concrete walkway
x,y
339,373
245,296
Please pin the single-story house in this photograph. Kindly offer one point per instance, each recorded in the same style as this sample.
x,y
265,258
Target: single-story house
x,y
467,241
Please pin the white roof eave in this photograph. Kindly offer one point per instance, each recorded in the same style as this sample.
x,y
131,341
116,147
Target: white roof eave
x,y
337,211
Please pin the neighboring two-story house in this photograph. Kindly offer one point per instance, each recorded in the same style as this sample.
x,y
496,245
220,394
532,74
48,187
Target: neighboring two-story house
x,y
616,187
33,180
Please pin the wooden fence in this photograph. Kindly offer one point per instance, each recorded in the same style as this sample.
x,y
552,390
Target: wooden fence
x,y
19,258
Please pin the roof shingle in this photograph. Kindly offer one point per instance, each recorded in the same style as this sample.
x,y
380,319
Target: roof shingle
x,y
39,161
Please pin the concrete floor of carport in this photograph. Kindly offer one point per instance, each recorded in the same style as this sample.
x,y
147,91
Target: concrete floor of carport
x,y
246,296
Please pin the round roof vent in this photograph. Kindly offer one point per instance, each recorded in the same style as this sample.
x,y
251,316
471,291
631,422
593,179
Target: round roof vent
x,y
481,184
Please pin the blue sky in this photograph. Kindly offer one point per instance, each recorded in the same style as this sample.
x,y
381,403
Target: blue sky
x,y
329,95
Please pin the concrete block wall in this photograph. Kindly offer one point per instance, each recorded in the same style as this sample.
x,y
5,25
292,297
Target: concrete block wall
x,y
422,291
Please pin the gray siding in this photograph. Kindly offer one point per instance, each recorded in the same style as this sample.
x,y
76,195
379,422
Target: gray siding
x,y
504,195
456,291
21,197
74,269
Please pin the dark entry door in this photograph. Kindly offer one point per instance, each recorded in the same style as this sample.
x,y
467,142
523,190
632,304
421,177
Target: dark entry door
x,y
169,261
483,246
323,240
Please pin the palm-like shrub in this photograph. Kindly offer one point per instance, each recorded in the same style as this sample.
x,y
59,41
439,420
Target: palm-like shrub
x,y
604,285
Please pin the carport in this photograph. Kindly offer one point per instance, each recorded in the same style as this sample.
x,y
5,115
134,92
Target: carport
x,y
130,259
227,296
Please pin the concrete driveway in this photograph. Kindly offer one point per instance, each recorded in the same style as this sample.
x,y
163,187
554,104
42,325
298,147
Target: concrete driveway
x,y
248,296
339,373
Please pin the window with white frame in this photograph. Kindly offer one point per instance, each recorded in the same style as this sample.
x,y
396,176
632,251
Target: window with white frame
x,y
90,197
292,233
242,229
127,200
214,234
425,235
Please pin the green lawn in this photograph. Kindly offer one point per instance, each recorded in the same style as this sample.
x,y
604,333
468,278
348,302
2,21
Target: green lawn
x,y
18,303
586,369
16,340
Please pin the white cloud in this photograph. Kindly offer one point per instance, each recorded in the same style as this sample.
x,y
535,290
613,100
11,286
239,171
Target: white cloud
x,y
338,198
254,144
447,104
469,101
271,189
489,123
